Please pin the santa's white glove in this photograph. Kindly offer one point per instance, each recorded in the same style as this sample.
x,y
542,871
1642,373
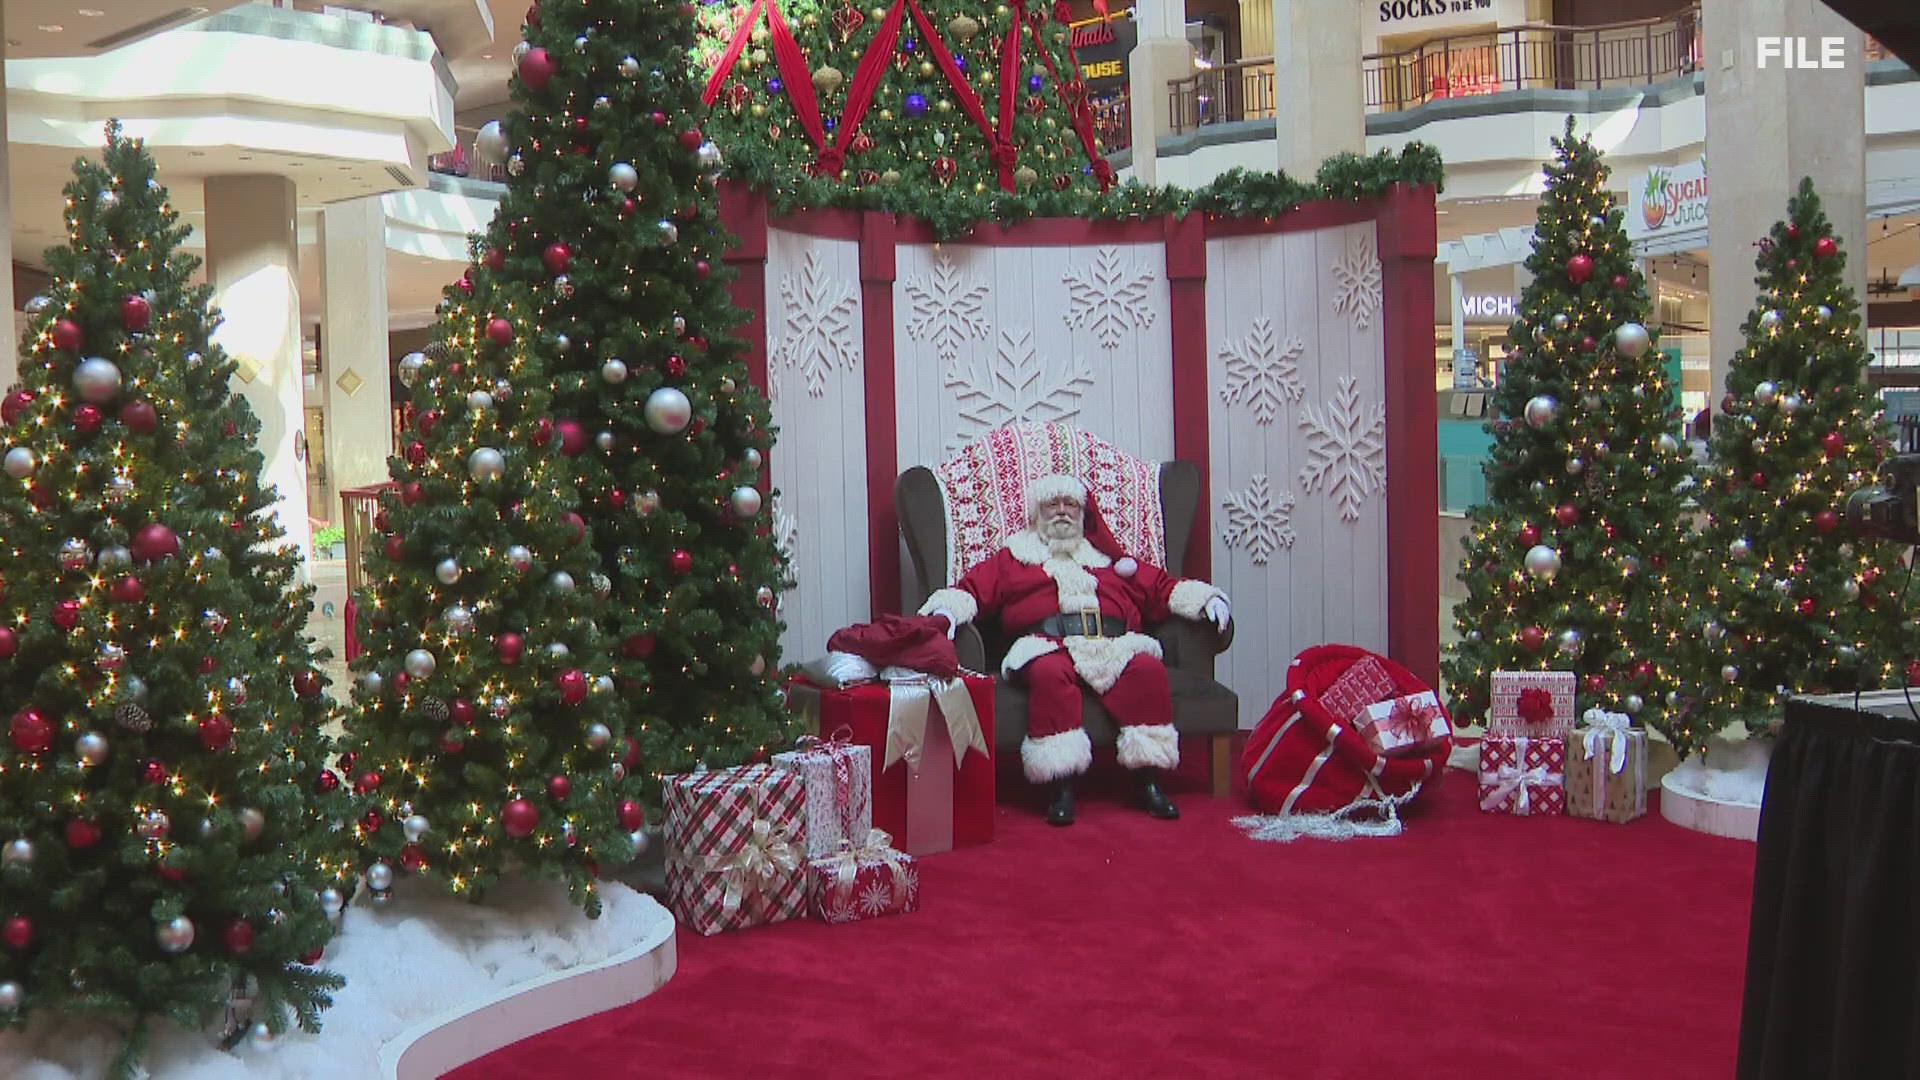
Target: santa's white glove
x,y
1218,611
953,624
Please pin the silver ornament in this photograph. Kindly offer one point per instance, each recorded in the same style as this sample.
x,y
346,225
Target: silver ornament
x,y
214,621
680,325
1591,401
726,384
752,458
707,156
603,684
97,380
331,901
1539,335
1561,321
1770,319
1575,466
420,663
1633,704
119,489
379,876
1729,673
1822,313
558,650
415,828
647,503
371,683
486,464
1473,636
20,463
759,666
601,585
1629,565
1765,393
499,707
598,736
630,67
614,371
1714,631
602,103
520,50
1740,548
1847,653
11,996
668,411
154,825
561,582
1851,588
765,596
412,366
669,232
490,144
175,935
604,440
516,165
1667,443
519,558
37,304
502,390
1542,562
562,343
1542,410
745,501
637,843
580,43
1631,340
619,771
107,199
18,852
459,619
1846,551
74,554
1569,643
133,688
252,823
110,657
236,691
260,1037
115,558
446,571
479,401
1790,404
622,176
1599,450
90,748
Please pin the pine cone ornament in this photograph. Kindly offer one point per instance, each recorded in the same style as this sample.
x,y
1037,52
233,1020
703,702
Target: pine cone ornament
x,y
132,717
435,710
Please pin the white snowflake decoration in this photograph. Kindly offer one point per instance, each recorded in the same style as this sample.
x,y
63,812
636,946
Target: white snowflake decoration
x,y
819,320
946,308
786,532
876,898
1258,520
1014,385
906,885
1108,299
1356,281
1346,450
839,908
1263,371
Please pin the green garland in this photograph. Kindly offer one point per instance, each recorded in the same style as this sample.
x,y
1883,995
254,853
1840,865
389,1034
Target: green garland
x,y
953,212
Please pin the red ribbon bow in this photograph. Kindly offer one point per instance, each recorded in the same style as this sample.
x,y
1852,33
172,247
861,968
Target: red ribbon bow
x,y
1005,154
1412,718
1535,706
832,160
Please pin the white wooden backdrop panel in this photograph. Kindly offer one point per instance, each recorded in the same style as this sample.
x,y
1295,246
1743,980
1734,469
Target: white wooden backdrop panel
x,y
1290,318
985,336
815,366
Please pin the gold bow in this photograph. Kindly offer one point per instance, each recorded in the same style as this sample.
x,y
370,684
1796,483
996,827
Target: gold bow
x,y
845,864
762,859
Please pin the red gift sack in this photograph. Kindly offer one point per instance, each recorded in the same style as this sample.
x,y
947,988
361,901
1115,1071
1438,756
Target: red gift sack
x,y
1302,759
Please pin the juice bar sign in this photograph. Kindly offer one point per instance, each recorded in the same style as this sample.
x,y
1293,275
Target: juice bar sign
x,y
1668,201
1101,46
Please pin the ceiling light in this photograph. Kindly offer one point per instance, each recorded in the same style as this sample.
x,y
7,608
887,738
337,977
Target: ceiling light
x,y
91,13
51,28
486,56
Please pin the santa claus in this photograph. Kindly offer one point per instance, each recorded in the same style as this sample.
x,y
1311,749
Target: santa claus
x,y
1078,602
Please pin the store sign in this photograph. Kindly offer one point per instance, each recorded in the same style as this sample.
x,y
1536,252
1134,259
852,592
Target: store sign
x,y
1101,47
1466,369
1395,12
1667,201
1488,307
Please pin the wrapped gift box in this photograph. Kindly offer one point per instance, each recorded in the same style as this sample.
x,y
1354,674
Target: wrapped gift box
x,y
736,847
926,802
1363,684
1410,724
839,780
1531,703
1523,774
1607,773
864,882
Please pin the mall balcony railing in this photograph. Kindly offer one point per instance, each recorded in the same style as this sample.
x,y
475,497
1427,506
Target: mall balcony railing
x,y
460,160
1242,90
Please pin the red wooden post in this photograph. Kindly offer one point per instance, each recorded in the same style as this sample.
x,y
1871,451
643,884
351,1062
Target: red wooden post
x,y
1187,321
883,445
1408,243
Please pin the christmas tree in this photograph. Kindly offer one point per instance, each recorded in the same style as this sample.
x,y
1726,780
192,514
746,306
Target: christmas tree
x,y
574,595
1572,561
1795,600
979,97
167,848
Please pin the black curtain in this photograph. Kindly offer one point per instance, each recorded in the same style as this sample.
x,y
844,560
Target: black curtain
x,y
1833,960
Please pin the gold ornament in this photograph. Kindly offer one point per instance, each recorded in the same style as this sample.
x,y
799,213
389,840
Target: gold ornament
x,y
828,79
886,114
979,187
1051,123
889,177
878,13
809,20
943,105
760,35
1025,176
759,56
1059,37
926,69
1000,11
758,110
963,27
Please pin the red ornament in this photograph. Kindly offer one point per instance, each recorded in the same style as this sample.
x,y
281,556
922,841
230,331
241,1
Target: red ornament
x,y
312,956
681,561
416,453
129,590
702,270
632,815
1793,264
659,119
239,937
542,432
1533,638
1643,670
1825,248
365,782
206,665
494,259
1529,535
9,643
1870,575
171,874
154,542
86,419
1579,268
427,421
82,834
509,647
30,731
519,817
573,437
154,772
17,933
1833,443
371,821
401,680
306,683
326,782
1588,344
945,169
135,313
556,257
1793,231
1826,521
690,139
626,207
461,711
1620,281
66,335
1758,480
411,493
536,67
499,331
572,684
14,404
1805,606
1061,182
558,788
66,614
216,732
617,499
632,757
453,741
579,526
1594,683
465,284
676,365
1566,513
639,646
413,858
395,548
139,417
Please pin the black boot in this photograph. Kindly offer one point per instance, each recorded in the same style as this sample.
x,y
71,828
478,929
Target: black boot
x,y
1152,799
1060,811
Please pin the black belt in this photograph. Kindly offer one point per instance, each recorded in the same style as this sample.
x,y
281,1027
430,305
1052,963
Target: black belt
x,y
1079,624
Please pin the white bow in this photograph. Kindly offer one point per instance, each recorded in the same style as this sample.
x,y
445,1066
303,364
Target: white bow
x,y
1603,726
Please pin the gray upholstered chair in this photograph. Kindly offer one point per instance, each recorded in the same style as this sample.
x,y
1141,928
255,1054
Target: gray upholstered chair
x,y
1201,706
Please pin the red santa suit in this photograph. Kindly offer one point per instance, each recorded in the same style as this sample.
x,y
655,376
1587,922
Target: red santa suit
x,y
1025,583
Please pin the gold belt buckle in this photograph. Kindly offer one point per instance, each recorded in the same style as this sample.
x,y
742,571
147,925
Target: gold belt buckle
x,y
1090,624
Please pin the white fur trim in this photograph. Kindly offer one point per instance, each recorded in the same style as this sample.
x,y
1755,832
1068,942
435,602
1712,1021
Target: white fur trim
x,y
1025,651
1189,599
1030,548
1051,757
1059,485
1149,746
1099,661
958,601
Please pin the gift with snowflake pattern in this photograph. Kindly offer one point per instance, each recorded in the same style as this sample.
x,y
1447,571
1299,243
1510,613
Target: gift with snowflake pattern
x,y
864,882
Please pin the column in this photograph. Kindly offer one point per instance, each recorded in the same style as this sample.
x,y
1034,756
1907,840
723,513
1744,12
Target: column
x,y
1459,309
1767,128
9,327
1160,53
353,344
1316,83
253,266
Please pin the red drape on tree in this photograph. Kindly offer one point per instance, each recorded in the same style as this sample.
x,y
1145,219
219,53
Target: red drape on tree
x,y
786,56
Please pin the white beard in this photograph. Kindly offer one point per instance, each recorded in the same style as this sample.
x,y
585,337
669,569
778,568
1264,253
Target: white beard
x,y
1062,537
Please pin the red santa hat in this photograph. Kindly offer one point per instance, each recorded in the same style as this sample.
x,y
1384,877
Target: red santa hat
x,y
1098,532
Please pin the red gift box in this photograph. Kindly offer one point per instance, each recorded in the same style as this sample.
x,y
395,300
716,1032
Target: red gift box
x,y
863,883
922,800
1407,725
1522,774
1364,683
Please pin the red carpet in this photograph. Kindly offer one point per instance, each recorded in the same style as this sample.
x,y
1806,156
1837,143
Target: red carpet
x,y
1472,946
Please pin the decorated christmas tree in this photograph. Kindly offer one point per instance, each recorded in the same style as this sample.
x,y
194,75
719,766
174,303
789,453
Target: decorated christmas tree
x,y
978,96
167,848
1573,562
1795,600
574,594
